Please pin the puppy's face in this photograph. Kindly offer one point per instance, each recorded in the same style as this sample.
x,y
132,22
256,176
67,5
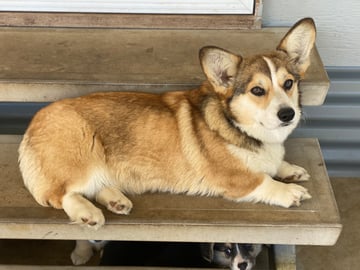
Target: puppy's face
x,y
260,93
234,256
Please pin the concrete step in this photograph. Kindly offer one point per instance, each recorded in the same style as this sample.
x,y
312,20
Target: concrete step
x,y
46,64
165,217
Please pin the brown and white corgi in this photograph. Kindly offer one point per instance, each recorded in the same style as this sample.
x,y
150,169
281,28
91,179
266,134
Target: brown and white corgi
x,y
224,138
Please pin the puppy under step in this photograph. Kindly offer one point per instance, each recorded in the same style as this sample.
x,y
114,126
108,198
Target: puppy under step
x,y
173,254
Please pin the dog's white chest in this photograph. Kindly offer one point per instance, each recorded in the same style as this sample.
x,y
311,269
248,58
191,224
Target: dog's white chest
x,y
267,159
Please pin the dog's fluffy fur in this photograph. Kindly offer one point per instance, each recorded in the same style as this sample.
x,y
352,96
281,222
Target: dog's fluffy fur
x,y
223,139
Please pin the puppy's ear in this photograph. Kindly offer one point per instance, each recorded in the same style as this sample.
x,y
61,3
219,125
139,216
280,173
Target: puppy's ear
x,y
220,67
256,249
298,43
207,251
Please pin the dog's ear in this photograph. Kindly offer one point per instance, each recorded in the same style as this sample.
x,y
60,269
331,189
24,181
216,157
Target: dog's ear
x,y
220,67
207,251
298,43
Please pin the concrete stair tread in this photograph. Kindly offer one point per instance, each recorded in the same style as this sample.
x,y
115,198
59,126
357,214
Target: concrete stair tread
x,y
46,64
165,217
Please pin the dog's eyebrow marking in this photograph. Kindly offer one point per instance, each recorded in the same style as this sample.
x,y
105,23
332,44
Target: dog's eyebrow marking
x,y
272,69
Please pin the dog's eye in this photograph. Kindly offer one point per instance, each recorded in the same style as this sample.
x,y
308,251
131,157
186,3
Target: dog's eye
x,y
227,252
288,84
257,91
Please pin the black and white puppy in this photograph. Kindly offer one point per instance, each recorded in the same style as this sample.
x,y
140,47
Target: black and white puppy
x,y
229,255
234,256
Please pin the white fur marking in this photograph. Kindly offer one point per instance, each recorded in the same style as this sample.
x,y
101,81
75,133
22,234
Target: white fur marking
x,y
82,211
291,172
281,99
237,259
277,193
98,179
272,72
267,159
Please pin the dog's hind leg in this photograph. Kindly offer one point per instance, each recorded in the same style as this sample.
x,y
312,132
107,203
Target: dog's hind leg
x,y
82,211
114,200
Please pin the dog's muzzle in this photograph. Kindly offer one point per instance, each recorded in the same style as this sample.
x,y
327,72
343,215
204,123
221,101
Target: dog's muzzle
x,y
243,266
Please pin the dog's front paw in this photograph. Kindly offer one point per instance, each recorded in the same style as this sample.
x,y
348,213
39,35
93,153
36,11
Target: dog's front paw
x,y
292,195
274,192
292,173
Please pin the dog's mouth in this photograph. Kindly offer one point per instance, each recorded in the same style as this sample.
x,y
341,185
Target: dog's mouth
x,y
283,124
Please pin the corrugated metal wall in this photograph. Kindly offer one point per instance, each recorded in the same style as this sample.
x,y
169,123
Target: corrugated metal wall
x,y
336,123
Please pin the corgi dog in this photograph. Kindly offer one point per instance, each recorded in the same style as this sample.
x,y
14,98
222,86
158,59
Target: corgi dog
x,y
224,138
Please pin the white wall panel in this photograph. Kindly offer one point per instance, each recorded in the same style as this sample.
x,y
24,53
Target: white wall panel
x,y
337,21
133,6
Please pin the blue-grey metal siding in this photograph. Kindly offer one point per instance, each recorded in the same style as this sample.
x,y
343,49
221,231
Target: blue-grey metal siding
x,y
336,123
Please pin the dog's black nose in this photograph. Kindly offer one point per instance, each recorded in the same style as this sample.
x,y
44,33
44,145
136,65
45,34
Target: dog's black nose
x,y
286,114
243,265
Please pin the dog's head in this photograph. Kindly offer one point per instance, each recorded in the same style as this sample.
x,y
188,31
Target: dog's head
x,y
260,93
234,256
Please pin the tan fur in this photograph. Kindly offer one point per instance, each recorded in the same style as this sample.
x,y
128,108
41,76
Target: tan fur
x,y
125,147
195,142
263,81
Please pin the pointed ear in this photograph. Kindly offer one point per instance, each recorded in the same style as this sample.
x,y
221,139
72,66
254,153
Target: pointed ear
x,y
220,67
298,43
